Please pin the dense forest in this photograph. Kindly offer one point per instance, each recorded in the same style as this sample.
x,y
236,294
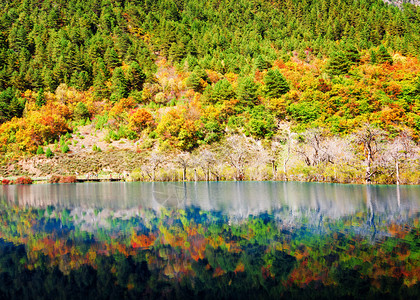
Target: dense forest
x,y
326,90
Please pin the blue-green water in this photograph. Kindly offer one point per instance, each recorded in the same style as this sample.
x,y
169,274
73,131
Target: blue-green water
x,y
240,240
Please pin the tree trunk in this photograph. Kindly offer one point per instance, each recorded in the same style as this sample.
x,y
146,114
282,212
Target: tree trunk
x,y
368,172
273,165
397,168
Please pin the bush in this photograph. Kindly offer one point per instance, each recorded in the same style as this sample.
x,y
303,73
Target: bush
x,y
96,149
6,181
54,179
40,150
65,148
24,180
62,179
49,153
68,179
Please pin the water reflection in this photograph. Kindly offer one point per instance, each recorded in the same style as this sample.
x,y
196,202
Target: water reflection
x,y
247,240
239,199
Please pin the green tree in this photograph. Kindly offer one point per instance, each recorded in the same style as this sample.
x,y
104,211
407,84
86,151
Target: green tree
x,y
40,98
40,150
275,84
81,112
136,77
383,56
49,153
247,92
221,91
119,84
338,64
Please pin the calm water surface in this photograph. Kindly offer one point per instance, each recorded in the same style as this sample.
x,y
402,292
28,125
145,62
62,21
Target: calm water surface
x,y
244,240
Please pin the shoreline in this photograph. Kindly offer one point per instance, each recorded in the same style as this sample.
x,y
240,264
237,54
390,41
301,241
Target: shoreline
x,y
81,180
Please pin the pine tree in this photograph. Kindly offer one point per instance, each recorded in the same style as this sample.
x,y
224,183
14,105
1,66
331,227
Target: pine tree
x,y
111,58
193,82
40,98
383,56
99,87
338,64
247,92
49,153
136,77
119,84
275,84
222,91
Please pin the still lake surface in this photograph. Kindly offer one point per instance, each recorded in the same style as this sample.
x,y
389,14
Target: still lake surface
x,y
230,240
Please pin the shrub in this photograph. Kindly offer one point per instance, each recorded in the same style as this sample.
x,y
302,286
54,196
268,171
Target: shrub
x,y
62,179
65,148
96,149
24,180
40,150
54,179
49,153
6,181
68,179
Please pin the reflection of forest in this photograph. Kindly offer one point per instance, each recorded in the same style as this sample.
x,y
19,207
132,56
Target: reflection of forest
x,y
236,199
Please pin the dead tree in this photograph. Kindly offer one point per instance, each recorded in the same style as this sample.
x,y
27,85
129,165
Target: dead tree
x,y
372,140
236,153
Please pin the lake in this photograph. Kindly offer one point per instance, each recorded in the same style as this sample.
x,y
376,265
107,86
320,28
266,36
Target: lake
x,y
225,240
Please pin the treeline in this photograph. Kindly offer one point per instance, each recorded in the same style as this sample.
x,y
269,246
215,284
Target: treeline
x,y
366,156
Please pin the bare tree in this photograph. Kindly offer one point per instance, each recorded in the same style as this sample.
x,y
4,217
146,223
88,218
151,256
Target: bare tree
x,y
372,140
205,158
236,152
153,162
400,150
259,157
183,159
285,143
313,147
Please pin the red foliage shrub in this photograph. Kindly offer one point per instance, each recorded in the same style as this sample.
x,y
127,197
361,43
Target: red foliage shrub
x,y
62,179
68,179
6,181
24,180
54,179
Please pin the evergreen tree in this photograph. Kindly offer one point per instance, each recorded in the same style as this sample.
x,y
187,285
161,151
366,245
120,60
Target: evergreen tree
x,y
119,84
111,58
383,56
40,98
193,82
338,64
99,87
49,153
40,150
81,112
222,91
275,84
247,92
352,54
261,64
136,77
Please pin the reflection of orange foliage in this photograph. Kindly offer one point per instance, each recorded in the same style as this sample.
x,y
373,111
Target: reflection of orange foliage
x,y
218,272
399,231
266,273
142,241
308,271
240,268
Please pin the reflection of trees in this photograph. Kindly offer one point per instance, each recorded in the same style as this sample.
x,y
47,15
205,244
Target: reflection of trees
x,y
371,212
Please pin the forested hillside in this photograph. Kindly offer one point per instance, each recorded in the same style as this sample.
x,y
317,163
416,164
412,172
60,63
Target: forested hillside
x,y
315,84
